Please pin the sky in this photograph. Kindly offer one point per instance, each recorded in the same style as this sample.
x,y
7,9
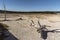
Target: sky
x,y
31,5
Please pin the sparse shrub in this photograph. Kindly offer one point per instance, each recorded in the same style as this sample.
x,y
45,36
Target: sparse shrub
x,y
4,26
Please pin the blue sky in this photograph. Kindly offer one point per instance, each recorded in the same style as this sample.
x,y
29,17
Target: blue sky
x,y
31,5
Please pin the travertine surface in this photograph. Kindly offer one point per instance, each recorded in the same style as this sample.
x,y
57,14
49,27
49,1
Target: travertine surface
x,y
23,30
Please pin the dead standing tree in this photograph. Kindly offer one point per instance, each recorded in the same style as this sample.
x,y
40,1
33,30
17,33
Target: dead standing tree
x,y
4,6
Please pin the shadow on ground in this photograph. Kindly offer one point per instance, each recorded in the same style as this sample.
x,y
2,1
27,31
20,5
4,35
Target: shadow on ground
x,y
9,36
5,34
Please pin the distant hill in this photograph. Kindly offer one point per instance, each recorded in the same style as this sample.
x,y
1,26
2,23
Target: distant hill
x,y
2,11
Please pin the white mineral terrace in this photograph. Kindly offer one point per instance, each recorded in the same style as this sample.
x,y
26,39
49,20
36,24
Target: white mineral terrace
x,y
23,30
